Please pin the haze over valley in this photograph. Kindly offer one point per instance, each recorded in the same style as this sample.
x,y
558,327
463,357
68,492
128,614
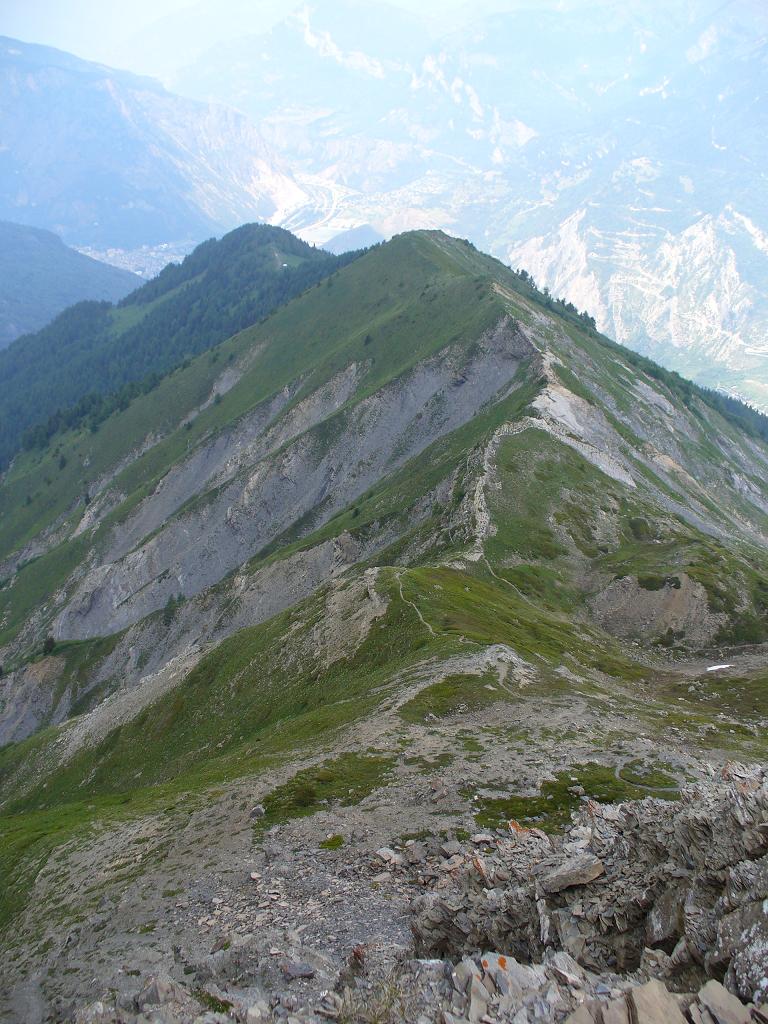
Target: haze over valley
x,y
614,153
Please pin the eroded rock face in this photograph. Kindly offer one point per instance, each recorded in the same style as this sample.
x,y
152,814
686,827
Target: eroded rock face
x,y
262,490
27,696
676,606
681,888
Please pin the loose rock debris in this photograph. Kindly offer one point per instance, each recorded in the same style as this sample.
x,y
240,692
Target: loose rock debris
x,y
648,912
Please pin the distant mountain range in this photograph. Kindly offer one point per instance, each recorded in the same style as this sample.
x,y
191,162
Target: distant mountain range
x,y
40,276
626,173
106,158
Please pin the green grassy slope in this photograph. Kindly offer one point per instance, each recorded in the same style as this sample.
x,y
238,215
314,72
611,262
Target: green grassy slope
x,y
250,705
560,529
386,311
254,704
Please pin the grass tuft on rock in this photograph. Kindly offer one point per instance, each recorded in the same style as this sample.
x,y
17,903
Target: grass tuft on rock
x,y
552,808
452,696
347,779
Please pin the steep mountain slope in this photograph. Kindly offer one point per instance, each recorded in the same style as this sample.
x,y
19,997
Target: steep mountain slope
x,y
40,276
668,252
106,158
93,358
436,544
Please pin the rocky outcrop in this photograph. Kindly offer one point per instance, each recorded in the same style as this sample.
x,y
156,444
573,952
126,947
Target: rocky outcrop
x,y
28,697
679,890
674,607
480,990
515,928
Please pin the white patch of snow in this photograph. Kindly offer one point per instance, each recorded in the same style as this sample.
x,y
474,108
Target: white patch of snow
x,y
653,90
703,46
354,60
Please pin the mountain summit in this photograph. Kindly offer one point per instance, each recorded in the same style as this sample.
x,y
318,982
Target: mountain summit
x,y
94,357
418,553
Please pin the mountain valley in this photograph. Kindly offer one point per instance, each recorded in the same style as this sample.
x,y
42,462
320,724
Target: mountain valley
x,y
606,169
108,158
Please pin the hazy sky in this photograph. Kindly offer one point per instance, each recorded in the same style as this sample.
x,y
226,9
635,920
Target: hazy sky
x,y
115,31
89,28
163,37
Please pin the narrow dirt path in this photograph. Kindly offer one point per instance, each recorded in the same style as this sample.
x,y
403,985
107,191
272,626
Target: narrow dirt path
x,y
415,607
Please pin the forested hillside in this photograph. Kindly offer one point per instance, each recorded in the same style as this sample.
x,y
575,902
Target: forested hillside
x,y
40,276
95,357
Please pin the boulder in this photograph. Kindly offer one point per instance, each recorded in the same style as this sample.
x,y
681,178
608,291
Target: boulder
x,y
653,1004
573,871
581,1015
616,1012
160,990
294,969
724,1007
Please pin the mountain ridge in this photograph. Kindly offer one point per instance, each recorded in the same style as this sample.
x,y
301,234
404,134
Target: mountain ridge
x,y
436,542
319,411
